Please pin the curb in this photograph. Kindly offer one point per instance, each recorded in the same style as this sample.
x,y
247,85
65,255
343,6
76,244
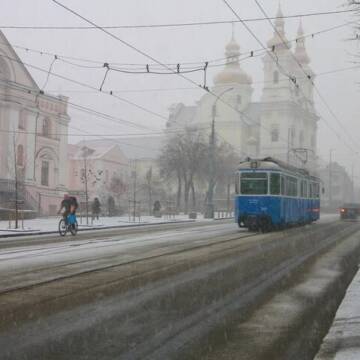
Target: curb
x,y
32,233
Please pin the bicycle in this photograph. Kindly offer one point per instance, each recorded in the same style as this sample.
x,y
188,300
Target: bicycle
x,y
70,224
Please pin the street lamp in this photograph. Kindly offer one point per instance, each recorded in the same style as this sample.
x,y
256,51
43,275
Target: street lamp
x,y
209,212
330,176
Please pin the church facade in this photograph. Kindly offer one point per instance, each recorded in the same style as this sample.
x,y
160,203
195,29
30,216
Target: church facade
x,y
33,138
283,124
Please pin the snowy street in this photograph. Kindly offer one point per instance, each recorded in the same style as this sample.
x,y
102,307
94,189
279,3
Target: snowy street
x,y
135,283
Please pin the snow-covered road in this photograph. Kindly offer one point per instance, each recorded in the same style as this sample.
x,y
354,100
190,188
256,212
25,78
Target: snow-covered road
x,y
26,265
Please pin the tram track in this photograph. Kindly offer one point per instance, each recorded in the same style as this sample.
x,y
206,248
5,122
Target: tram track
x,y
220,275
112,265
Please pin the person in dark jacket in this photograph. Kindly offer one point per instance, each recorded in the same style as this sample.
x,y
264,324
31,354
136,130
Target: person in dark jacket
x,y
95,208
69,204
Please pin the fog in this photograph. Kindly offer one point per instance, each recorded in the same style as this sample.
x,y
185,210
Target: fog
x,y
328,51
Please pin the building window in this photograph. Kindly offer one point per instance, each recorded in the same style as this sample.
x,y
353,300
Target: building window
x,y
20,155
276,77
292,135
238,99
46,127
274,133
313,141
301,139
45,173
21,125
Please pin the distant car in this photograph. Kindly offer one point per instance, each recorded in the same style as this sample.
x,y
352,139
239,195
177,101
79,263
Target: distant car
x,y
350,211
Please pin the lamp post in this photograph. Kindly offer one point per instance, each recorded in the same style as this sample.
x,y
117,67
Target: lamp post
x,y
209,212
330,176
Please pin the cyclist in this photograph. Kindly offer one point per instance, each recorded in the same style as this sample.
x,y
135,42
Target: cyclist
x,y
70,204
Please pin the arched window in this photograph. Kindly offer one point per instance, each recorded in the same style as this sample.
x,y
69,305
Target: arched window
x,y
21,125
20,155
46,127
45,173
276,77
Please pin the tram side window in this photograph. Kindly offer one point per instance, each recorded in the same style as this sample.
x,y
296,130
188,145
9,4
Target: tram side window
x,y
282,185
312,190
275,184
254,183
303,189
317,190
291,186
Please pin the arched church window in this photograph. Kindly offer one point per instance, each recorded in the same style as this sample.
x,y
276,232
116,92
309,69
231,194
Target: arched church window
x,y
276,77
21,125
20,155
274,133
46,127
45,173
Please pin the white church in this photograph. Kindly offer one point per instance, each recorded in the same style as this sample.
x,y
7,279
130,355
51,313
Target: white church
x,y
283,124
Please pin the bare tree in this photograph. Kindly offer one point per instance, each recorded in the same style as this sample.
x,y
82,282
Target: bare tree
x,y
149,181
181,159
117,187
88,176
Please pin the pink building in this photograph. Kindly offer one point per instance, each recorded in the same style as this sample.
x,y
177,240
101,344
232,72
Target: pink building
x,y
101,167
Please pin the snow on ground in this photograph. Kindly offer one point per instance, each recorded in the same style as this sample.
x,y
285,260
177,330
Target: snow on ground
x,y
343,340
51,224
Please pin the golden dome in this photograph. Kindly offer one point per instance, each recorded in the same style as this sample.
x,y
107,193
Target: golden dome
x,y
232,73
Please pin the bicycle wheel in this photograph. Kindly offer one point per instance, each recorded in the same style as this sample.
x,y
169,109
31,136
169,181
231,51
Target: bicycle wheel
x,y
62,227
74,228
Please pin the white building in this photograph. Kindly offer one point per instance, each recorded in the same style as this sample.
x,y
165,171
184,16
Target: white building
x,y
283,124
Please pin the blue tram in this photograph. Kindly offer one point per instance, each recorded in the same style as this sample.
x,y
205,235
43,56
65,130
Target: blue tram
x,y
271,194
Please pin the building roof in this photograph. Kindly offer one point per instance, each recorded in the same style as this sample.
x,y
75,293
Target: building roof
x,y
139,147
94,150
181,115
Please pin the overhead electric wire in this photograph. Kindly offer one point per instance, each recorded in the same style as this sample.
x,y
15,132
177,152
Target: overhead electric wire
x,y
167,25
65,58
8,84
87,86
325,73
154,59
78,107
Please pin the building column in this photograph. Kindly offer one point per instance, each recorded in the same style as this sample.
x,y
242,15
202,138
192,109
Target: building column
x,y
63,161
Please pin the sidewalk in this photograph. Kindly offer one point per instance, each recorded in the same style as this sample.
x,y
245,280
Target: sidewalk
x,y
343,340
50,225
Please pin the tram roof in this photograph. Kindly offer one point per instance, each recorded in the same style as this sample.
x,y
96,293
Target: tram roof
x,y
272,163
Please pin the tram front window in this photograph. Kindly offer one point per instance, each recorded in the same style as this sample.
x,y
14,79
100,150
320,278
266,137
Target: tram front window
x,y
254,183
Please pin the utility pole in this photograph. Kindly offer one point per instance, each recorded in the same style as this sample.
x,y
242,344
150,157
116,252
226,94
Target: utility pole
x,y
330,176
85,180
352,182
209,212
134,191
16,186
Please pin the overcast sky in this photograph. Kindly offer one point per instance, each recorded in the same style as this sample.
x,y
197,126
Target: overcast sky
x,y
328,52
